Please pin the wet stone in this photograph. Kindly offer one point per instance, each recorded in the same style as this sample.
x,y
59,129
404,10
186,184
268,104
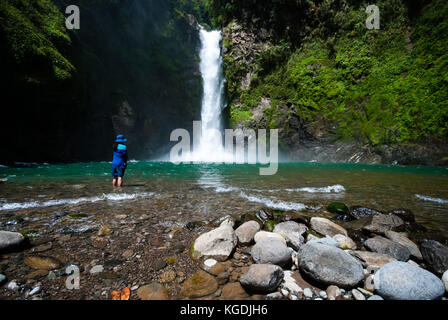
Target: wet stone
x,y
159,265
153,291
43,263
199,285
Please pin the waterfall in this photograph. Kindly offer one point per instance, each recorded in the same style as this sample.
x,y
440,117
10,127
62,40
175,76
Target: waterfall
x,y
210,148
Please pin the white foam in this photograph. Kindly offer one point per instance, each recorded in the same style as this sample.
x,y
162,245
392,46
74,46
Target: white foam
x,y
224,189
329,189
274,204
431,199
58,202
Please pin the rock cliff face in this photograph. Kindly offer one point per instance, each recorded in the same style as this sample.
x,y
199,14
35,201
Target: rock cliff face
x,y
301,139
136,72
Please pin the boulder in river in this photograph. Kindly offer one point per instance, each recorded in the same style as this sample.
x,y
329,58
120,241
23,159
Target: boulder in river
x,y
246,232
381,223
218,244
262,277
326,227
436,255
358,212
404,214
10,240
292,232
271,251
403,281
330,265
382,245
338,208
406,242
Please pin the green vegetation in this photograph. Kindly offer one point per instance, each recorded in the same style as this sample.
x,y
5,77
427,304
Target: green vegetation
x,y
377,86
36,36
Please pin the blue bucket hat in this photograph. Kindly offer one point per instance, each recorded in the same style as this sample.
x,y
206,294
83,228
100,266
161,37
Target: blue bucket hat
x,y
121,139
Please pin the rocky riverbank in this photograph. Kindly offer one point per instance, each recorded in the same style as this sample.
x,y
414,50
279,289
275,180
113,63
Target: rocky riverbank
x,y
334,254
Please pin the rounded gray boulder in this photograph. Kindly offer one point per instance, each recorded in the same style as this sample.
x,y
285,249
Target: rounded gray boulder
x,y
403,281
10,239
330,265
262,277
271,251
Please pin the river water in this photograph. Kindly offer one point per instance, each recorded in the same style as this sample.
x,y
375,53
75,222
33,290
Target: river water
x,y
189,192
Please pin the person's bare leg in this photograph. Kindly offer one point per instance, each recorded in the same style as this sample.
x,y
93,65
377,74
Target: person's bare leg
x,y
114,182
120,182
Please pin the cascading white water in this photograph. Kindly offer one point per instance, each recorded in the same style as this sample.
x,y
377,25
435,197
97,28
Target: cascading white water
x,y
211,148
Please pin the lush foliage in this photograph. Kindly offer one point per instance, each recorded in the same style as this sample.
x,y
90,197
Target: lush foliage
x,y
379,86
36,36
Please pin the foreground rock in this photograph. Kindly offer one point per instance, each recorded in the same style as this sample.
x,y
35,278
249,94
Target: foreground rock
x,y
264,234
326,227
262,277
199,285
403,281
153,291
333,293
218,244
372,259
246,232
330,265
411,246
292,232
344,242
445,280
10,240
382,245
234,291
436,255
381,223
271,251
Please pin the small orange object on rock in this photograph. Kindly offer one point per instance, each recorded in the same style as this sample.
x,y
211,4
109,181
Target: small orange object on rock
x,y
125,294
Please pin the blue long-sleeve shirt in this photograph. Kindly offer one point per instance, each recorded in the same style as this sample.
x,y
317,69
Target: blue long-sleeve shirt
x,y
120,157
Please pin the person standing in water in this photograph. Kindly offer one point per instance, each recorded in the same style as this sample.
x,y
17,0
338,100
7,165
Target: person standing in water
x,y
120,161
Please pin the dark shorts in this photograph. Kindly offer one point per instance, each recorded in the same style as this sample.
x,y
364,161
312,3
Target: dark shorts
x,y
118,172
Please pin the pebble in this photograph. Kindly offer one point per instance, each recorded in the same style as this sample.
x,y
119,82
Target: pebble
x,y
333,292
308,293
274,296
365,292
35,290
323,295
2,278
369,284
358,295
135,287
13,286
375,297
52,276
97,269
444,280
